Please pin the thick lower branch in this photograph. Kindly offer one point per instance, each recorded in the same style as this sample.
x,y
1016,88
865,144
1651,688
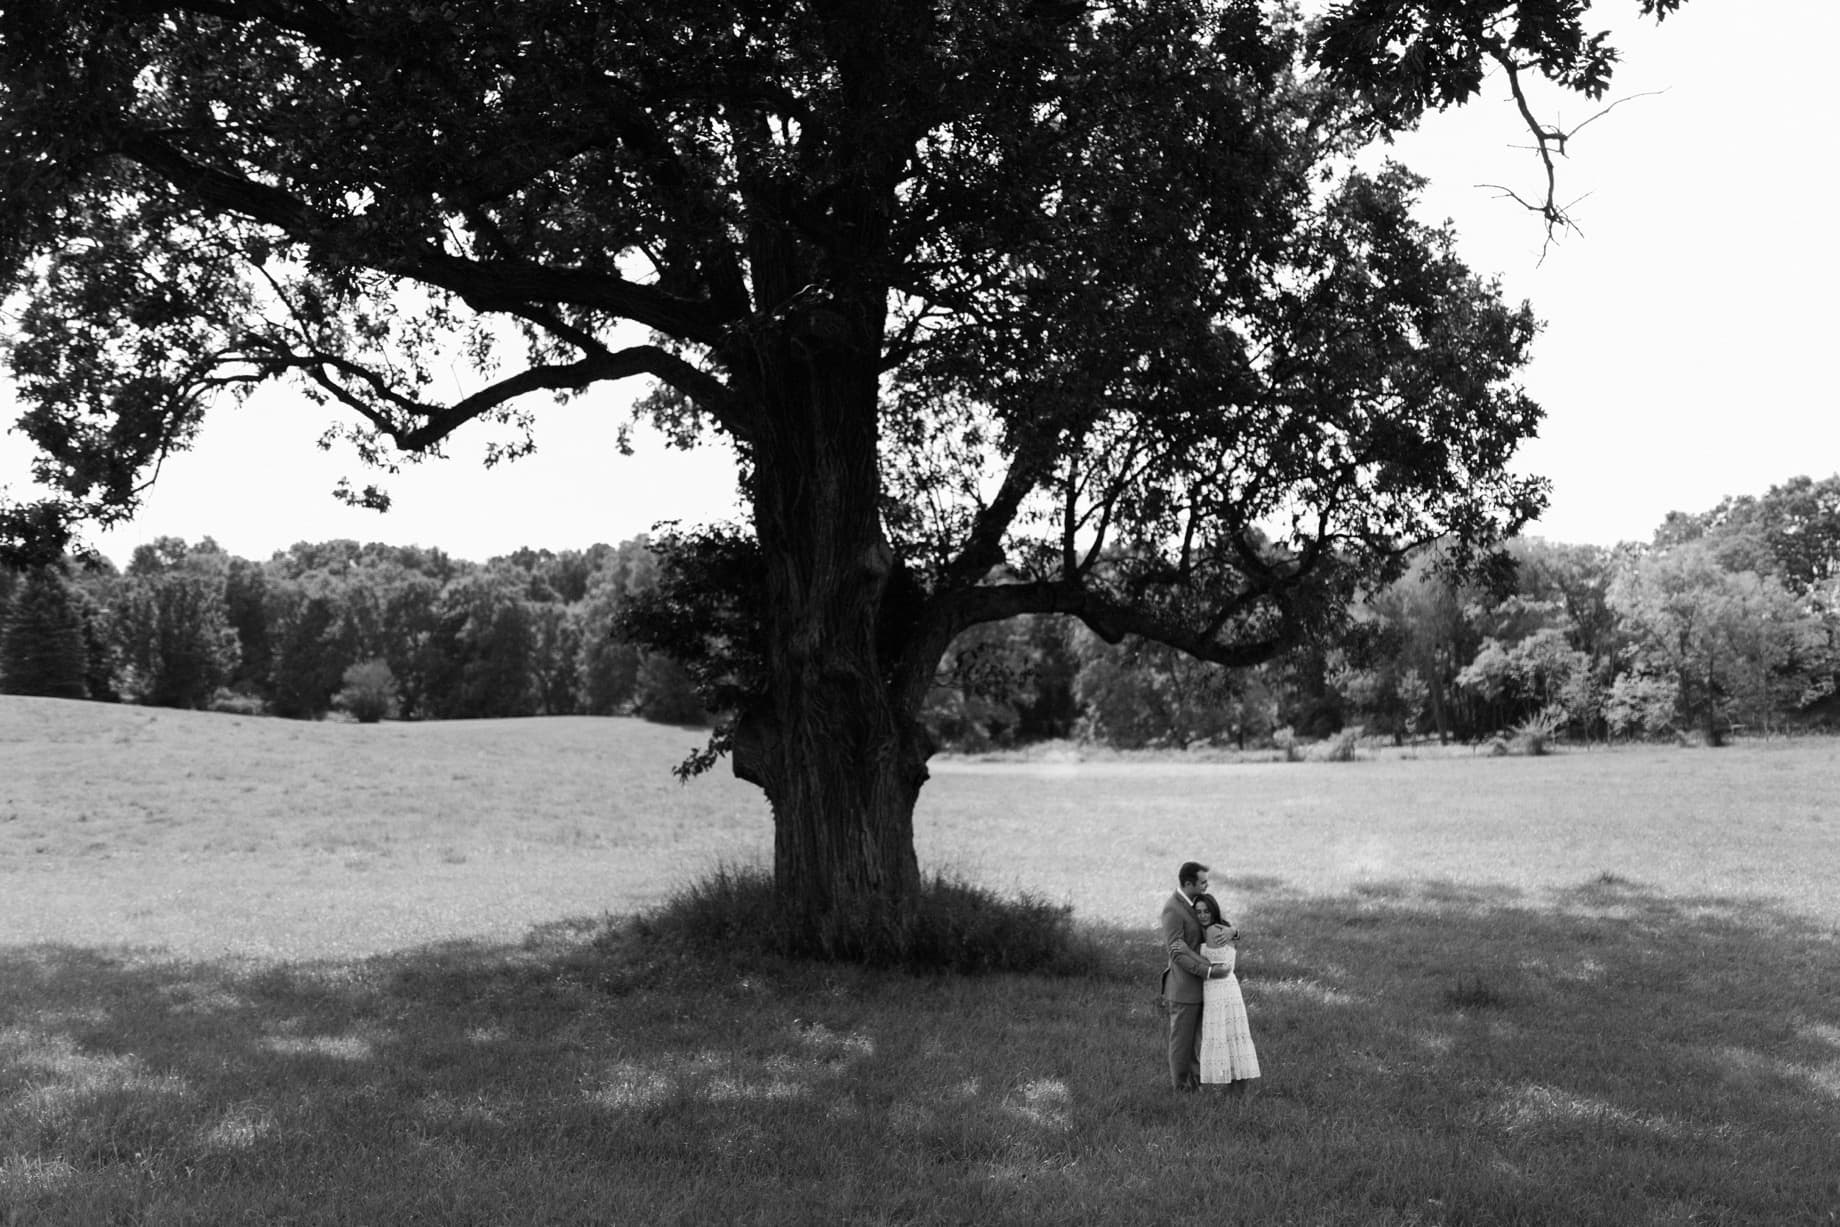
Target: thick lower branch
x,y
1113,619
440,421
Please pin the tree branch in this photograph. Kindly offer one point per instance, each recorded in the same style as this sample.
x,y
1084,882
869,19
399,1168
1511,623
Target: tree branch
x,y
438,422
983,547
504,285
1113,619
1548,141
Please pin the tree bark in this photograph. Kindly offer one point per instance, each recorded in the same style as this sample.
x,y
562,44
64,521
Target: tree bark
x,y
842,783
835,743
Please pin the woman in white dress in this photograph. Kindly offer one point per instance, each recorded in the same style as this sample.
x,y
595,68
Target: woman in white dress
x,y
1227,1056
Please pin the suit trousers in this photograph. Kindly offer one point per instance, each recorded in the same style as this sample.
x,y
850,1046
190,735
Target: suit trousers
x,y
1185,1044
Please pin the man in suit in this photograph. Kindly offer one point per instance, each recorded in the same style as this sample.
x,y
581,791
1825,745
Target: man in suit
x,y
1183,975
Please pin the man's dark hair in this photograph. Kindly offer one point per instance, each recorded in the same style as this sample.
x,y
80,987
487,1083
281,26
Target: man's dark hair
x,y
1189,872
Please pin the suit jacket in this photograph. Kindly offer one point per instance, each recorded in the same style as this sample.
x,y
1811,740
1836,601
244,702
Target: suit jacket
x,y
1186,970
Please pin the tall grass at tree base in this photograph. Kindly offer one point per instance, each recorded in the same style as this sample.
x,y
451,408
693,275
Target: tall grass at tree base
x,y
954,926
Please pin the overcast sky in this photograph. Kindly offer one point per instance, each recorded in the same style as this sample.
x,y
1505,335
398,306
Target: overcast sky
x,y
1679,362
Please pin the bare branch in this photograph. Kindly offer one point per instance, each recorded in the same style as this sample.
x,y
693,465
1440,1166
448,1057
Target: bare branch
x,y
1578,127
1549,141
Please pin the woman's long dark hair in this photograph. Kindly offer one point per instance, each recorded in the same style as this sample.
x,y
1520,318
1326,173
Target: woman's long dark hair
x,y
1213,907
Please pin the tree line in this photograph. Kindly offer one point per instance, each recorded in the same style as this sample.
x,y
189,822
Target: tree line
x,y
372,629
1728,620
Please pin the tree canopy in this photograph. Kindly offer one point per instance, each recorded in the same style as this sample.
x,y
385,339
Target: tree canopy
x,y
1008,306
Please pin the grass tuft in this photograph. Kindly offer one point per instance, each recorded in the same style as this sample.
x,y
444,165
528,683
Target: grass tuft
x,y
1472,992
954,926
1535,735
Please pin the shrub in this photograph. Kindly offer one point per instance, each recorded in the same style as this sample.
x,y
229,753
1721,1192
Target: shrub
x,y
1642,706
953,927
1344,747
1534,735
233,703
1286,741
369,693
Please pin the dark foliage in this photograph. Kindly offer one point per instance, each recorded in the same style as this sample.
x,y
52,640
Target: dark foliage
x,y
41,640
369,693
177,646
701,611
305,673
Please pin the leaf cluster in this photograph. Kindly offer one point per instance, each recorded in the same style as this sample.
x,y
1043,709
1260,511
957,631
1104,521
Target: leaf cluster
x,y
703,612
1404,57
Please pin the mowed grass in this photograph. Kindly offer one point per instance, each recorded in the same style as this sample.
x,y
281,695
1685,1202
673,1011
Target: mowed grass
x,y
261,972
208,835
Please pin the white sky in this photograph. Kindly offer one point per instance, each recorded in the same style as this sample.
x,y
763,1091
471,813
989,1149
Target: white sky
x,y
1679,363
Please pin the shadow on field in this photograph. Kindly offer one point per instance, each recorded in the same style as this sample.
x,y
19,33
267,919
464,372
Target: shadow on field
x,y
1433,1054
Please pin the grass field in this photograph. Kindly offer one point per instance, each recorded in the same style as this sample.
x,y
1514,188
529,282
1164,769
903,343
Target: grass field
x,y
262,972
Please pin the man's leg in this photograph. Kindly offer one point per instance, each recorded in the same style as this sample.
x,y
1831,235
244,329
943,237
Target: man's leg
x,y
1185,1044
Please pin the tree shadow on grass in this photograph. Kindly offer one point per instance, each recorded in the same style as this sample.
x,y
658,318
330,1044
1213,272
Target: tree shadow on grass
x,y
1434,1053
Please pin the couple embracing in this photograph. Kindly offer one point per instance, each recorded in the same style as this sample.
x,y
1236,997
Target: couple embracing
x,y
1210,1042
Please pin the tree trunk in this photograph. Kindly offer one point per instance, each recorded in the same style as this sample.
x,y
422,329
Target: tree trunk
x,y
1715,733
836,742
842,780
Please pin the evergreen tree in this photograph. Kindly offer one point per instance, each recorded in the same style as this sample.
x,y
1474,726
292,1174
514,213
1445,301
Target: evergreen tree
x,y
42,650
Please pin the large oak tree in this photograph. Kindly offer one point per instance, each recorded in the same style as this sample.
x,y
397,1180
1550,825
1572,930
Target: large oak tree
x,y
1007,306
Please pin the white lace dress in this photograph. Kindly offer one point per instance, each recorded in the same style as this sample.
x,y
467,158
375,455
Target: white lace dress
x,y
1226,1037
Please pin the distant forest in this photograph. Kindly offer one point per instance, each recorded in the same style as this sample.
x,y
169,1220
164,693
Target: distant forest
x,y
1726,622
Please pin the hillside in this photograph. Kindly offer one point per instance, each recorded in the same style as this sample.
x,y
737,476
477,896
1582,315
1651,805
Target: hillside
x,y
216,834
